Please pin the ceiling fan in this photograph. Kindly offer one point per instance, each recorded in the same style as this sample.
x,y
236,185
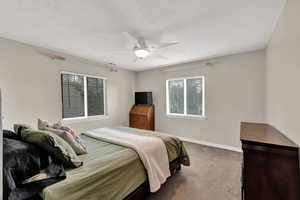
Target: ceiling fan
x,y
142,48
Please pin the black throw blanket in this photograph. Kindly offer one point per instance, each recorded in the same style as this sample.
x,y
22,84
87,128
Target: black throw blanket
x,y
22,161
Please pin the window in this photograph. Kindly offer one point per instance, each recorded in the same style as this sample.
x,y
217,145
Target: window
x,y
83,96
185,97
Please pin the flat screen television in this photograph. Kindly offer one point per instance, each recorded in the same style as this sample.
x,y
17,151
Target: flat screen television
x,y
143,98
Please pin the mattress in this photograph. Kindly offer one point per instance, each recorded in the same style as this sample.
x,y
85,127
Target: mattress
x,y
109,171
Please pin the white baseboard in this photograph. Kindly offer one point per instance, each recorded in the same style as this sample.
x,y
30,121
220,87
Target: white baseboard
x,y
210,144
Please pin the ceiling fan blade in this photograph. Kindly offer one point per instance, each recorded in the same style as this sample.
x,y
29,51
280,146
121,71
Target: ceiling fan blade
x,y
131,36
141,41
135,59
166,44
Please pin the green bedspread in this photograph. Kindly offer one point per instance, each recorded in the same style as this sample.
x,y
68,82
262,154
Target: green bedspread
x,y
109,172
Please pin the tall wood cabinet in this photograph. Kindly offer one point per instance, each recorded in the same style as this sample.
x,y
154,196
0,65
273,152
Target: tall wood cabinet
x,y
142,117
270,168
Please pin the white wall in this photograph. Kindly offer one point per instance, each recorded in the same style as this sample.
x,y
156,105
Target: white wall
x,y
235,92
31,87
283,73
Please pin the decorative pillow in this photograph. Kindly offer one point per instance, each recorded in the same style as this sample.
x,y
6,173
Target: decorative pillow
x,y
42,124
54,145
66,133
10,135
58,125
70,139
19,127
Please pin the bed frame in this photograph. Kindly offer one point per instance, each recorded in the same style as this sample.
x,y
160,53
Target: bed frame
x,y
144,190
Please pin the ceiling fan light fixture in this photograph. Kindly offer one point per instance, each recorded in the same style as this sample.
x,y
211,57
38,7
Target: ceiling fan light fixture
x,y
141,53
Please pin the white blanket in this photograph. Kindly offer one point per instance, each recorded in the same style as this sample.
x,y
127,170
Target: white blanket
x,y
151,150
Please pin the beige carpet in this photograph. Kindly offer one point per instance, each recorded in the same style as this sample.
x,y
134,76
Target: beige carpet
x,y
214,175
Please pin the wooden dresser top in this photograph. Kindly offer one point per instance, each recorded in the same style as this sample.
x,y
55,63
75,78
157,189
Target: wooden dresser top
x,y
264,133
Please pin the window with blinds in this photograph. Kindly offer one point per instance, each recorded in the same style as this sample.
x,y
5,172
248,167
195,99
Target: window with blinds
x,y
185,97
83,96
72,95
95,96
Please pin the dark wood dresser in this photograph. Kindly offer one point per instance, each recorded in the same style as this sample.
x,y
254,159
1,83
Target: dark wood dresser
x,y
270,168
142,117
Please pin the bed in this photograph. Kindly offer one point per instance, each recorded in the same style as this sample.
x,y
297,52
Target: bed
x,y
112,172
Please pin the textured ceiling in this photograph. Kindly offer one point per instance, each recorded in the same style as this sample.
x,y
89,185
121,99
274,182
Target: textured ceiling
x,y
94,29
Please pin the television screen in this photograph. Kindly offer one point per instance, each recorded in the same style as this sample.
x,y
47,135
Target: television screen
x,y
143,98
